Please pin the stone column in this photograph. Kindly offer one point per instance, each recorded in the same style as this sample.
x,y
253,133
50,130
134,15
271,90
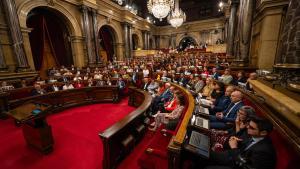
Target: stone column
x,y
86,30
127,39
246,14
290,50
144,32
148,40
130,40
231,27
12,19
157,42
95,32
3,66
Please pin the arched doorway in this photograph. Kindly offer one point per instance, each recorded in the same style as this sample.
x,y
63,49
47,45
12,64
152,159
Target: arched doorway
x,y
107,43
186,42
49,39
135,41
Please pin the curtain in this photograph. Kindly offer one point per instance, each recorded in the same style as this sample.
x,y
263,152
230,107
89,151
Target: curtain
x,y
48,28
107,43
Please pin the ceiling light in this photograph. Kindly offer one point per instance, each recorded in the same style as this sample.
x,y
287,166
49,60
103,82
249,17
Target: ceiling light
x,y
160,8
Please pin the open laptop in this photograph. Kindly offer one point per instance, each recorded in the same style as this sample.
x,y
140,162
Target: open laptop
x,y
198,143
201,122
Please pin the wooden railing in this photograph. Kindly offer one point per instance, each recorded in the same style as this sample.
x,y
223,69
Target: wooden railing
x,y
67,98
119,139
176,142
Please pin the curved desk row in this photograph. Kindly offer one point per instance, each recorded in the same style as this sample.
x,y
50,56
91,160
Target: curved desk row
x,y
120,139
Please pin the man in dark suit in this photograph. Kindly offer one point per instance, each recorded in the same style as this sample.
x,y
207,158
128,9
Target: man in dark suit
x,y
220,120
256,153
146,83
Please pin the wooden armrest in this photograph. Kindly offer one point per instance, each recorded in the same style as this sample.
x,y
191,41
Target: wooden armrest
x,y
156,152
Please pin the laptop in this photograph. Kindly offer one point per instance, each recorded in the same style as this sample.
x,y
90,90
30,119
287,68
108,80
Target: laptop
x,y
201,122
203,110
200,142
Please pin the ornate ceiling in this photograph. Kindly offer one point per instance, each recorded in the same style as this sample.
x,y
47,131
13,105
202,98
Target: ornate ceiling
x,y
194,9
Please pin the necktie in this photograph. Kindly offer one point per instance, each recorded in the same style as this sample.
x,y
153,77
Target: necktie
x,y
229,109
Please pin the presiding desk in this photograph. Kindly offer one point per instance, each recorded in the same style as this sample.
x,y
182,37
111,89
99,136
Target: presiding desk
x,y
36,131
31,112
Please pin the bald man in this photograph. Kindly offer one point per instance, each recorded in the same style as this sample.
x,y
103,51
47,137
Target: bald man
x,y
220,120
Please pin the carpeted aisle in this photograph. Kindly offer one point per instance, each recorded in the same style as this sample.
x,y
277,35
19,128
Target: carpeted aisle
x,y
75,131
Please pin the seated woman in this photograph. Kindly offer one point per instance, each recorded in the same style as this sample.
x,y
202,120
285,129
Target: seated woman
x,y
165,118
219,138
208,88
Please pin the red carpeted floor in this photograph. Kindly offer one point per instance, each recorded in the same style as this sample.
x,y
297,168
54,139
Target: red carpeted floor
x,y
75,131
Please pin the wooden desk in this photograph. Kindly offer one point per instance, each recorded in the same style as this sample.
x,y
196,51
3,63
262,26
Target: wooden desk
x,y
36,131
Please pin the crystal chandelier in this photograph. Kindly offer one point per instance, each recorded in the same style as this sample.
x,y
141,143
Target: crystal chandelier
x,y
160,8
177,16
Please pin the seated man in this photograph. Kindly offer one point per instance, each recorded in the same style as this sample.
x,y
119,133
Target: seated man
x,y
222,102
220,120
257,152
37,90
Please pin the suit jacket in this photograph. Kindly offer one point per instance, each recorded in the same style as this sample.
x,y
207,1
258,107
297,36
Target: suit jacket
x,y
231,113
261,155
167,95
221,104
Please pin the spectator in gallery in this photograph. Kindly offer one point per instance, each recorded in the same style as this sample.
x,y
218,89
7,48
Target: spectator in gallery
x,y
108,82
90,82
54,87
68,73
68,86
23,83
39,80
226,77
78,84
38,90
5,86
77,77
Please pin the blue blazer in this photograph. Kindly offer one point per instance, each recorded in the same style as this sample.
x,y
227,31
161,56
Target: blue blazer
x,y
167,95
231,116
221,104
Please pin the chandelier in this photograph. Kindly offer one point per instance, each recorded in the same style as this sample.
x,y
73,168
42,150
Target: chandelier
x,y
177,16
160,8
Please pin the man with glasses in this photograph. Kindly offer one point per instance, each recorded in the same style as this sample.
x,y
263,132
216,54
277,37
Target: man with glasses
x,y
255,152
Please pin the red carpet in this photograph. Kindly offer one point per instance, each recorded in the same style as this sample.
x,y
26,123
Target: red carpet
x,y
75,131
130,162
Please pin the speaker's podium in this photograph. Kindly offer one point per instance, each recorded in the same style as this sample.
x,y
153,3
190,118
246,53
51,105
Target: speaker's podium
x,y
36,131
